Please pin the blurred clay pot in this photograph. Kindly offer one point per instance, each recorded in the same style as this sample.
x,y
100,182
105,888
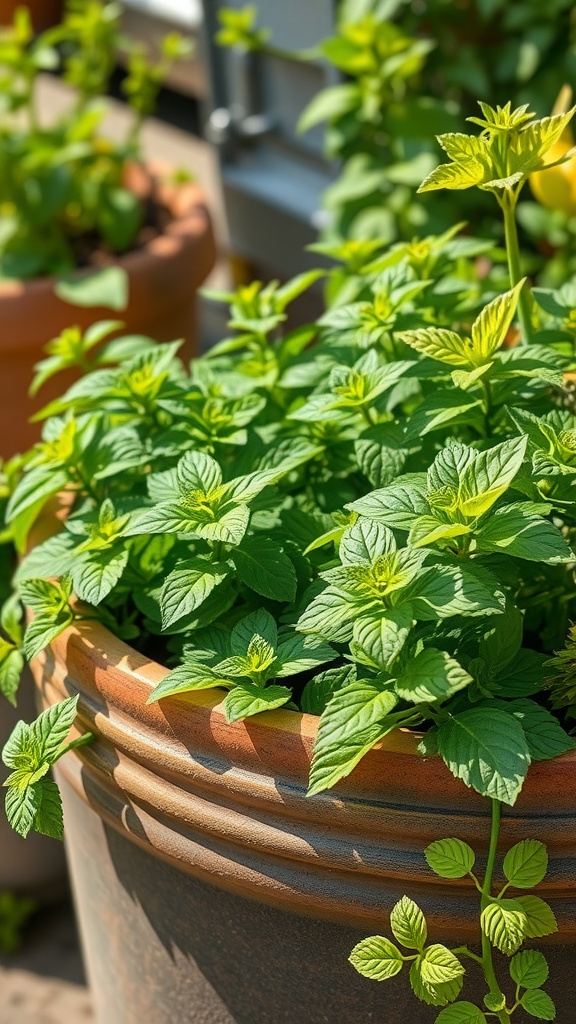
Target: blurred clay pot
x,y
44,13
163,278
210,890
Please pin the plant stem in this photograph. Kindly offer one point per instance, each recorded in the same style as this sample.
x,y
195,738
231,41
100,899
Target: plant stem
x,y
503,1015
508,205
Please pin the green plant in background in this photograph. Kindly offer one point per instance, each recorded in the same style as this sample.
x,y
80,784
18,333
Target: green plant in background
x,y
413,70
62,185
369,518
15,911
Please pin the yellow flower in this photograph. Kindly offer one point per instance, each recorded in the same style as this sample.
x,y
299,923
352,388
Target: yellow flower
x,y
555,188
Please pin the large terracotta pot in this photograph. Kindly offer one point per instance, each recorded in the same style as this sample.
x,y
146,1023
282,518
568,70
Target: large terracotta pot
x,y
210,890
163,276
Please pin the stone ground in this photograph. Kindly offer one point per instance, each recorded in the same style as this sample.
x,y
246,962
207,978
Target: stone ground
x,y
44,982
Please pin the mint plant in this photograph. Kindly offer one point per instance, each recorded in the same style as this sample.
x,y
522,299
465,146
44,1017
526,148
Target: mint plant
x,y
437,972
369,518
62,184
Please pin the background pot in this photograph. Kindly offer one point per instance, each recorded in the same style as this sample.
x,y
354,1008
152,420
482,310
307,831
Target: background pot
x,y
210,890
44,13
163,277
35,867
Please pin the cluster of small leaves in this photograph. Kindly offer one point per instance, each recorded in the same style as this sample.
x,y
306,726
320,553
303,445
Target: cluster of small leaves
x,y
15,911
437,972
62,181
32,799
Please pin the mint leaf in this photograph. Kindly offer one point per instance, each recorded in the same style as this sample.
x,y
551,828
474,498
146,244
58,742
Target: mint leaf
x,y
297,653
461,1013
529,969
450,858
354,720
258,623
540,919
379,638
514,532
538,1004
49,819
21,808
487,749
526,864
490,474
189,676
247,699
263,565
504,923
408,925
429,676
376,958
188,586
319,691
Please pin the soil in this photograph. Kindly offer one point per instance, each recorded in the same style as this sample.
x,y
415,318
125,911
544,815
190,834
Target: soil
x,y
91,251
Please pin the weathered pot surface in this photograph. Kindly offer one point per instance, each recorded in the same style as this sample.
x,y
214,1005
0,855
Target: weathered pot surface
x,y
163,277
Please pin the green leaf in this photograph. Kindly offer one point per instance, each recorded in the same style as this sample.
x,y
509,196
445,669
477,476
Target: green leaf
x,y
538,1004
504,923
491,327
21,808
430,675
440,344
258,623
329,104
446,590
43,629
434,995
319,691
49,819
439,966
107,287
365,541
191,675
544,735
450,858
50,730
529,969
188,586
379,638
526,864
461,1013
96,573
263,565
376,958
396,506
331,615
409,925
354,720
514,532
486,749
298,653
540,919
11,665
248,699
490,475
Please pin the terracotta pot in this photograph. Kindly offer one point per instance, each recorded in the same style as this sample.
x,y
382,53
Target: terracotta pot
x,y
163,280
35,867
211,890
44,13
